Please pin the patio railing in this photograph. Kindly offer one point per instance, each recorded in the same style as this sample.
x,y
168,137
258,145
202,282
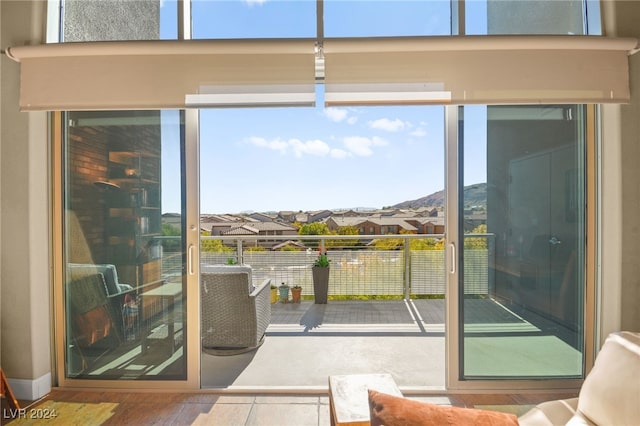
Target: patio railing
x,y
407,270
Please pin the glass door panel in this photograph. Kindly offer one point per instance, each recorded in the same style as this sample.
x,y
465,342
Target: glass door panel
x,y
523,241
124,286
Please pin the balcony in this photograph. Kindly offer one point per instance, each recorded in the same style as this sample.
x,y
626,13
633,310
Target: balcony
x,y
386,313
380,301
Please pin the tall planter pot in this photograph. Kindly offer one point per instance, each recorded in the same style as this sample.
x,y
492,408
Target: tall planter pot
x,y
320,283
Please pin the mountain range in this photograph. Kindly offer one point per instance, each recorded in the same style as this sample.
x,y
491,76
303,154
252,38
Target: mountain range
x,y
474,195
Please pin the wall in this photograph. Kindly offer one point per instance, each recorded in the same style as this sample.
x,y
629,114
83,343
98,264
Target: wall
x,y
534,16
620,234
111,20
24,218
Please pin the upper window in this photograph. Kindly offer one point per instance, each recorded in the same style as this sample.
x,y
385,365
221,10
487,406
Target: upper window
x,y
241,19
386,18
110,20
232,19
532,17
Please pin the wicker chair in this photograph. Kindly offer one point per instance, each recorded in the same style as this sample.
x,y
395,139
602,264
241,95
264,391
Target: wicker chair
x,y
235,314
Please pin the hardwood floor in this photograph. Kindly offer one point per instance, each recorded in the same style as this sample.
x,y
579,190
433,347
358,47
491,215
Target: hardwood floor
x,y
90,407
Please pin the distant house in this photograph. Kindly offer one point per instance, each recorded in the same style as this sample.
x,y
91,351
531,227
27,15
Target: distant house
x,y
473,220
289,244
372,225
261,229
302,218
261,217
318,216
173,219
287,216
430,225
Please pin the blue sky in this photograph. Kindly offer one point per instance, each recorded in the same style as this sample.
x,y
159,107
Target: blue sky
x,y
315,158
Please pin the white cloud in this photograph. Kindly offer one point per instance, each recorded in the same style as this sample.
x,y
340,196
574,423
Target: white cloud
x,y
352,120
362,146
276,144
340,153
419,132
252,2
299,148
314,147
336,114
388,125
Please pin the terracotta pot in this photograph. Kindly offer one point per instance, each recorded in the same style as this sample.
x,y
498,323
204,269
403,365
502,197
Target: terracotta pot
x,y
320,283
296,294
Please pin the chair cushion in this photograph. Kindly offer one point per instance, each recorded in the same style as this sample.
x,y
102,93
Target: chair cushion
x,y
550,413
108,271
610,393
391,410
230,269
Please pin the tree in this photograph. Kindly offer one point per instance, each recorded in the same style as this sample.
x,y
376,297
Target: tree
x,y
170,244
214,246
344,230
315,228
388,244
472,243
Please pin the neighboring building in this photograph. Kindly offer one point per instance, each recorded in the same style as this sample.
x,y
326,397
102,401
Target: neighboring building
x,y
318,216
262,229
261,217
372,225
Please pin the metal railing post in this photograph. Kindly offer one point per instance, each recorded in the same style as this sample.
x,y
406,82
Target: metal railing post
x,y
407,269
239,251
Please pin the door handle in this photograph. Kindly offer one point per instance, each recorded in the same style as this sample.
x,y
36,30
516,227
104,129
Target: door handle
x,y
190,259
452,254
554,241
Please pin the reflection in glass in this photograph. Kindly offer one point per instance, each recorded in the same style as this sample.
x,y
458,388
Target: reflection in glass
x,y
123,287
524,243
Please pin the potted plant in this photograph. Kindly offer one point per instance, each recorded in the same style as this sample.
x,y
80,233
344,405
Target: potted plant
x,y
296,293
274,293
320,271
284,293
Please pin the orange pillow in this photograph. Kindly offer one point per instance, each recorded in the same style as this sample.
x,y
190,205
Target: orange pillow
x,y
391,410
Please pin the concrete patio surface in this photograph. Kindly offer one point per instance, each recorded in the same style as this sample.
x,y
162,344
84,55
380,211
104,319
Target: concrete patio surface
x,y
306,343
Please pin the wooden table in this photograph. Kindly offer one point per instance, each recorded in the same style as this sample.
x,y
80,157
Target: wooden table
x,y
168,294
349,397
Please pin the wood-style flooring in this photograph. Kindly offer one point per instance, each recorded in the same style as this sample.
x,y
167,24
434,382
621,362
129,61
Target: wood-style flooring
x,y
88,407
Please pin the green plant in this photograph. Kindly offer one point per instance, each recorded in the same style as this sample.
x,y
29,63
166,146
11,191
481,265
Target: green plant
x,y
231,261
283,285
297,287
322,259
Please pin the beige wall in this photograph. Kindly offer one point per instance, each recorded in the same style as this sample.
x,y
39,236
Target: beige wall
x,y
628,16
620,201
24,247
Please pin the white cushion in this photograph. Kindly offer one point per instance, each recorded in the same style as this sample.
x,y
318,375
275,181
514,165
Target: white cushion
x,y
610,394
550,413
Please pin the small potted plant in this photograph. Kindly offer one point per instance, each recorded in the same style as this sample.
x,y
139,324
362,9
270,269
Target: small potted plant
x,y
320,271
296,293
284,293
274,293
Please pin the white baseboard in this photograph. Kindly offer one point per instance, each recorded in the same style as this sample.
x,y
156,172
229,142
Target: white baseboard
x,y
31,390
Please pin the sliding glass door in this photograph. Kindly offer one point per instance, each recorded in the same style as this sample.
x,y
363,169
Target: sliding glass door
x,y
520,241
124,276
